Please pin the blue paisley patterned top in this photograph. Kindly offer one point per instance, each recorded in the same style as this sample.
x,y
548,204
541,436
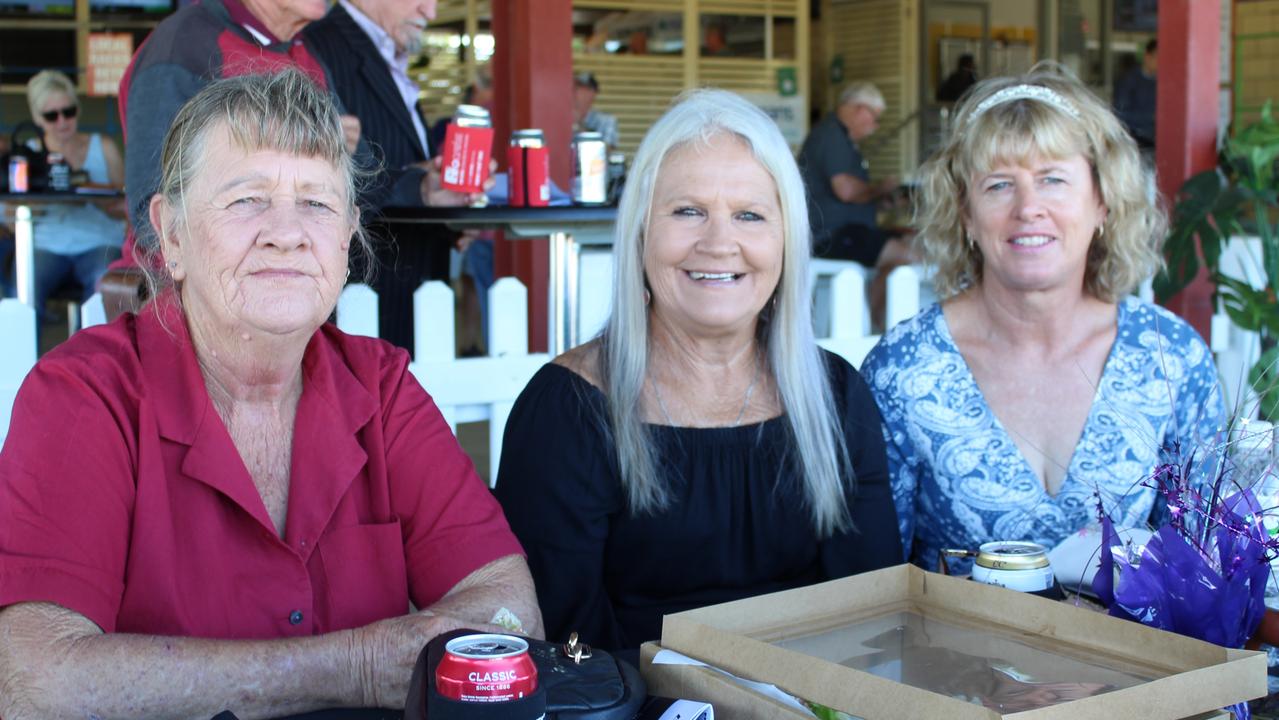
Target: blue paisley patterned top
x,y
959,479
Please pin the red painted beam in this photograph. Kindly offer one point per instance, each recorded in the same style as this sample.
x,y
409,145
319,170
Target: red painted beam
x,y
533,79
1186,108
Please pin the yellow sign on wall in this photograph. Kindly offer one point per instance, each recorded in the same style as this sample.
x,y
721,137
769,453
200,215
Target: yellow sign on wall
x,y
108,58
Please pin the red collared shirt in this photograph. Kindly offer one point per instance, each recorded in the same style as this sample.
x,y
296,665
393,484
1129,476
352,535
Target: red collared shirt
x,y
123,498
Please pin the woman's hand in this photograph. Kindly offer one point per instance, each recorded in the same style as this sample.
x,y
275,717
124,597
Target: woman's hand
x,y
387,650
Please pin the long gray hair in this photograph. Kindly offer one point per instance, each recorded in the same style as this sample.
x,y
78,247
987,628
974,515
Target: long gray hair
x,y
785,332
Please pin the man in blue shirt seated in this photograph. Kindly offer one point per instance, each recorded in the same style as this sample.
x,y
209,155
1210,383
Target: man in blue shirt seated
x,y
842,198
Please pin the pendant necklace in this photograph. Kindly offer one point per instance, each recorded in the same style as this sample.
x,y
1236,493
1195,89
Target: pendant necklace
x,y
750,389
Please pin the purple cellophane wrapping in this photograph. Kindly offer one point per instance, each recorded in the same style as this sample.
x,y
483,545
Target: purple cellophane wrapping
x,y
1213,590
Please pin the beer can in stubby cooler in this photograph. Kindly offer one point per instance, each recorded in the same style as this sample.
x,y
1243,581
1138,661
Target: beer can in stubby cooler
x,y
19,182
468,145
529,163
1015,565
486,668
59,173
590,169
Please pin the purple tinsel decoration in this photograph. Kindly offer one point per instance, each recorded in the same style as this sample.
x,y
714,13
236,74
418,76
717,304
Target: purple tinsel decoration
x,y
1176,586
1180,584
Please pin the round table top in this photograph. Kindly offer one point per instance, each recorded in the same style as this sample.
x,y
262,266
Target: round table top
x,y
496,215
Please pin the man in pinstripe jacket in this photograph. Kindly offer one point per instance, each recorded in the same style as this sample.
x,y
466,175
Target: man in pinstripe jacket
x,y
366,45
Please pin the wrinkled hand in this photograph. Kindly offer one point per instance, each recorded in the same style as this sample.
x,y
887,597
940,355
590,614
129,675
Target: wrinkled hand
x,y
350,132
387,650
434,194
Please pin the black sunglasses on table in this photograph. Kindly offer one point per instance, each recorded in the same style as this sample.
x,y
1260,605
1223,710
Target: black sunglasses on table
x,y
68,112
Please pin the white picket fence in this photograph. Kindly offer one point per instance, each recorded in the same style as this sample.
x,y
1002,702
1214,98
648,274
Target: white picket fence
x,y
465,389
1234,349
485,388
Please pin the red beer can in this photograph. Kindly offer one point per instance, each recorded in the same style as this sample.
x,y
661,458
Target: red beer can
x,y
486,668
529,164
18,179
468,145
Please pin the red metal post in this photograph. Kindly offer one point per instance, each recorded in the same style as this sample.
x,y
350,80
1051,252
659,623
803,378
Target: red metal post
x,y
532,76
1186,108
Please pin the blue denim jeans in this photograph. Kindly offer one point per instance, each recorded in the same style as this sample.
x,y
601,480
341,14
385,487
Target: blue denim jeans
x,y
478,263
52,271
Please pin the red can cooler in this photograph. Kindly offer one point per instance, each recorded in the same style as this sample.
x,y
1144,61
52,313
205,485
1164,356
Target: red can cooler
x,y
486,668
19,181
529,164
468,145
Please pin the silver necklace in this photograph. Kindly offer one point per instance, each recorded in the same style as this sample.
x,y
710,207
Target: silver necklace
x,y
746,402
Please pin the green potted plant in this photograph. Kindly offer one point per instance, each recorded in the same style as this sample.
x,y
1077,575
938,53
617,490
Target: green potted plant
x,y
1240,197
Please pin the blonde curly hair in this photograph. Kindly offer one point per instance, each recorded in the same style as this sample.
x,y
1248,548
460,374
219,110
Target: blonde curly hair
x,y
1127,251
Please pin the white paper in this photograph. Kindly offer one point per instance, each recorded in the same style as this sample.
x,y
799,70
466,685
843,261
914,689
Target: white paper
x,y
1075,559
670,657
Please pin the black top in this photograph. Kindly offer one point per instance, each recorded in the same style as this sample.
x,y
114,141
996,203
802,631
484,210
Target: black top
x,y
736,527
956,84
829,151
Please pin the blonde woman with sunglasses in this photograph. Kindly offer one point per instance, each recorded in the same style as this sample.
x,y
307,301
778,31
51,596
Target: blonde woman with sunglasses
x,y
74,241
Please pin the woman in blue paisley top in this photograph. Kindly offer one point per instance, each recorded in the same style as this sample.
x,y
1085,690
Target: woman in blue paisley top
x,y
1039,387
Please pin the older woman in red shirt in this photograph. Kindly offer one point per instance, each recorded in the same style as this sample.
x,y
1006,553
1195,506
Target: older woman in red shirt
x,y
223,502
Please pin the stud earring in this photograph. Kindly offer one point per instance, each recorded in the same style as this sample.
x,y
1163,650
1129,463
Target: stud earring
x,y
648,297
173,264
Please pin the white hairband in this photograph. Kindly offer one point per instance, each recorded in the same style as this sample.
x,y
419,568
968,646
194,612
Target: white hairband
x,y
1026,92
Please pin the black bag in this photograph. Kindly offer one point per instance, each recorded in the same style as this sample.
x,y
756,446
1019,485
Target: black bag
x,y
37,161
599,687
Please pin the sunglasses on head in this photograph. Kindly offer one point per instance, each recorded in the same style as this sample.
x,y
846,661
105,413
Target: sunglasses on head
x,y
66,112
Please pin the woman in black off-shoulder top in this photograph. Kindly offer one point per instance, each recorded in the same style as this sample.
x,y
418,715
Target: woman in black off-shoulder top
x,y
703,448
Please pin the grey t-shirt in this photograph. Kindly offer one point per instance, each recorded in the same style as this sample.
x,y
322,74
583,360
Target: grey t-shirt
x,y
827,152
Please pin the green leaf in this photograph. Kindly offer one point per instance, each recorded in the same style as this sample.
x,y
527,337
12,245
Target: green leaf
x,y
1238,197
1249,308
1211,239
1198,195
1271,320
1264,379
1240,314
1183,266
